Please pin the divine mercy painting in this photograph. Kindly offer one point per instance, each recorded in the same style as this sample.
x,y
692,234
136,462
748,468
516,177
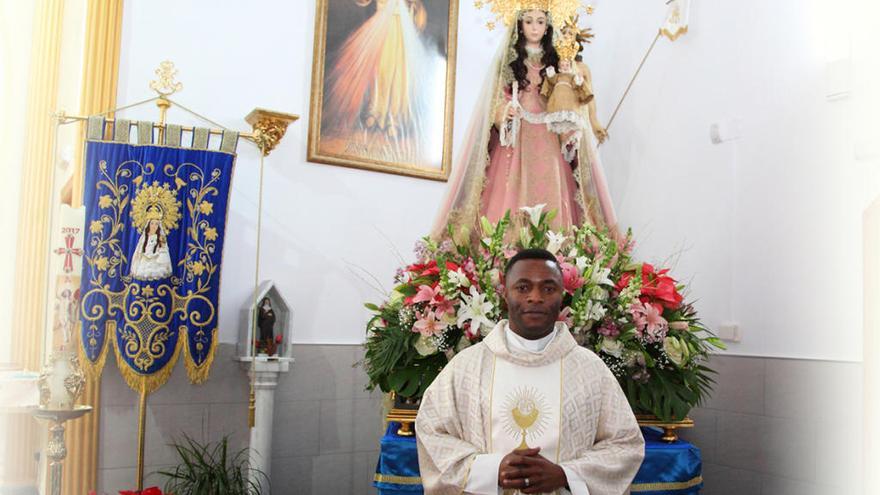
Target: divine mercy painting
x,y
382,85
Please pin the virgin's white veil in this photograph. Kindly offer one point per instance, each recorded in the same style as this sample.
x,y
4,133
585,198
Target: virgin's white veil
x,y
461,206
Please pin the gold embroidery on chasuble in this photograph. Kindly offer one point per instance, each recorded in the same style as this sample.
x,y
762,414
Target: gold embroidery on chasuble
x,y
525,408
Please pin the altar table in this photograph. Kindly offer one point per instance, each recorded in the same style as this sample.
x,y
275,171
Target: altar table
x,y
668,469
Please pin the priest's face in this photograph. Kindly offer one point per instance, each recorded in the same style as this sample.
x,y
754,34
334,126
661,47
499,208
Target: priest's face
x,y
534,297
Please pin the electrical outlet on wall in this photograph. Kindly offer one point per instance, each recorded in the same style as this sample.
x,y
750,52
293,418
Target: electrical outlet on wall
x,y
728,331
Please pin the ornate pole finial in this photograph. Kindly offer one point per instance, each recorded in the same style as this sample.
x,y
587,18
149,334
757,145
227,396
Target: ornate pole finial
x,y
269,127
166,86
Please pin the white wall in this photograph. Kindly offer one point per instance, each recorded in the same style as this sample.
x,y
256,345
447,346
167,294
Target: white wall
x,y
319,219
16,23
766,234
770,223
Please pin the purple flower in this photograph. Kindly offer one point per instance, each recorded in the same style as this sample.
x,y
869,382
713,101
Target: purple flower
x,y
421,250
446,246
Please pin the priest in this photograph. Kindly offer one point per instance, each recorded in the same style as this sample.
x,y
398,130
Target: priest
x,y
528,410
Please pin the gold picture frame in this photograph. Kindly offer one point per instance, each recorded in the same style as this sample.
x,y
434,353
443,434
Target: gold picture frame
x,y
397,55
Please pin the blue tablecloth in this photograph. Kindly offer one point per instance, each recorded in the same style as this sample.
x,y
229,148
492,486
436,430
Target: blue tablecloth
x,y
668,468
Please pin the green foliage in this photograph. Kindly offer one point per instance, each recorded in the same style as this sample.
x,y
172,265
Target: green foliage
x,y
210,469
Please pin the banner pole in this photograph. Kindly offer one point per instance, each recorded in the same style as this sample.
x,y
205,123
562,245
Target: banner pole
x,y
142,420
252,399
631,81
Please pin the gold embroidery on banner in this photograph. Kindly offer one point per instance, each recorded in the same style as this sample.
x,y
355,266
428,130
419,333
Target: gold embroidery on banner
x,y
155,202
148,327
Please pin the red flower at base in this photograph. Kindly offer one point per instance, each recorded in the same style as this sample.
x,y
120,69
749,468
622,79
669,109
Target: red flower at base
x,y
277,339
153,490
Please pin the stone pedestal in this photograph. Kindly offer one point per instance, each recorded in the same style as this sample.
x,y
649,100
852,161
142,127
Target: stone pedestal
x,y
267,371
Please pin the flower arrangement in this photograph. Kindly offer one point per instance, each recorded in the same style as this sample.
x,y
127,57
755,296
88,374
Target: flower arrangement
x,y
632,315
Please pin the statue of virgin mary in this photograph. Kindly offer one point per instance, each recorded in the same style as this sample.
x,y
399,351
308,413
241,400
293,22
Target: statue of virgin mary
x,y
510,157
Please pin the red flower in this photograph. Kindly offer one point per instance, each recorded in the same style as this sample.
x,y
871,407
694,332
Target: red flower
x,y
153,490
277,339
659,288
428,269
624,281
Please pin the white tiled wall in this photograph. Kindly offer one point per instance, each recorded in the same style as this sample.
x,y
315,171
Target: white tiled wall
x,y
780,426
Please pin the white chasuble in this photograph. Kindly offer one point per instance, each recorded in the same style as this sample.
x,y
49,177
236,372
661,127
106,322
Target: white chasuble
x,y
525,408
495,395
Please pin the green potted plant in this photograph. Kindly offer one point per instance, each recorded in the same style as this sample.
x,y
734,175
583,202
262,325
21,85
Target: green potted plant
x,y
210,469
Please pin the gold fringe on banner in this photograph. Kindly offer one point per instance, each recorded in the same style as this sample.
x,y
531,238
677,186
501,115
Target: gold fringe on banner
x,y
93,370
152,382
199,374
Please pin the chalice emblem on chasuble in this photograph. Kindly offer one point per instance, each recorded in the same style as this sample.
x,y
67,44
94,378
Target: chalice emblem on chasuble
x,y
526,414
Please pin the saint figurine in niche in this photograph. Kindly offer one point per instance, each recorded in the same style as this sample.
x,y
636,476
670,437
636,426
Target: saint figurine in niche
x,y
151,259
267,343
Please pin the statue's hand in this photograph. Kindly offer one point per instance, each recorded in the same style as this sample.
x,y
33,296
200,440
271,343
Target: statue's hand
x,y
550,71
600,133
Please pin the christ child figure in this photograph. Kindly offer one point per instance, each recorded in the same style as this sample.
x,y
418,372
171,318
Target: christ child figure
x,y
571,108
568,90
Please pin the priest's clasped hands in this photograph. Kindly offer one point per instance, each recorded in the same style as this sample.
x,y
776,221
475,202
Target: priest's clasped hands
x,y
529,472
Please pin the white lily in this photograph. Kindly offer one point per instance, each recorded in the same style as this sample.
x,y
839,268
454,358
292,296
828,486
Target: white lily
x,y
581,262
476,310
594,311
600,276
458,278
556,241
534,212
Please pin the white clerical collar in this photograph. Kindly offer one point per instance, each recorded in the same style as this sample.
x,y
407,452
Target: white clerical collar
x,y
517,342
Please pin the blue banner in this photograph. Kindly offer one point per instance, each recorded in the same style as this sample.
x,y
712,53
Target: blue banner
x,y
155,220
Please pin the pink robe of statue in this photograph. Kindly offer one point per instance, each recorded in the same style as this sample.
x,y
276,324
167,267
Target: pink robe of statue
x,y
532,170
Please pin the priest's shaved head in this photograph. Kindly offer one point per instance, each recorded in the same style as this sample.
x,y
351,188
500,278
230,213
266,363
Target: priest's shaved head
x,y
533,292
527,409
